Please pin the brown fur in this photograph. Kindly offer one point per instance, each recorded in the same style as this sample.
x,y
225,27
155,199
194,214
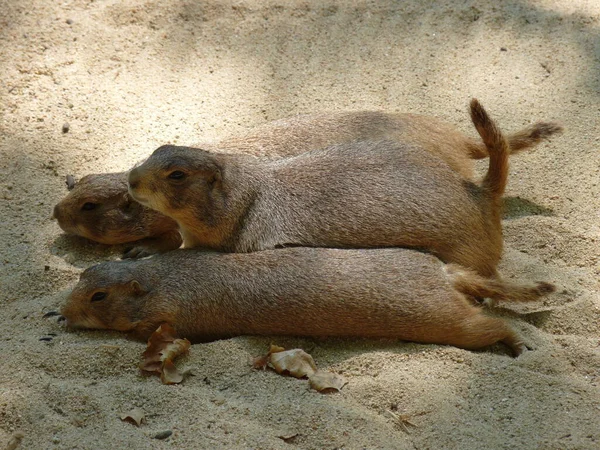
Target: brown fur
x,y
391,293
356,195
286,137
99,208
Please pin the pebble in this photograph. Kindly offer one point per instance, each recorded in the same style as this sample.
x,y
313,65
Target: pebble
x,y
69,21
218,400
70,258
65,127
163,434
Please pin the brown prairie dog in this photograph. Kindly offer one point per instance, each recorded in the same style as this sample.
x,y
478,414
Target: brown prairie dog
x,y
99,209
354,195
377,293
296,135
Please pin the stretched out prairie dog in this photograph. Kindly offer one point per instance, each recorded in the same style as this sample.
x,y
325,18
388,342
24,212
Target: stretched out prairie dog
x,y
377,293
98,207
365,194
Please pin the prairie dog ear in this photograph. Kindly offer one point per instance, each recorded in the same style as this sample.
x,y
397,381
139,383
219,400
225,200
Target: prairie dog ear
x,y
215,176
70,182
136,287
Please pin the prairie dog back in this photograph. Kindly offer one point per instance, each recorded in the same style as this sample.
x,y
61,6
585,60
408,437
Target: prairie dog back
x,y
114,222
355,195
295,135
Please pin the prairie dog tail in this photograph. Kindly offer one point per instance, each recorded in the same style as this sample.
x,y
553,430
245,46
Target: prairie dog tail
x,y
497,175
470,283
521,140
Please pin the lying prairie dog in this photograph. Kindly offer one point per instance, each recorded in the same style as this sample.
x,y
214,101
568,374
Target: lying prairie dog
x,y
296,135
356,195
98,208
376,293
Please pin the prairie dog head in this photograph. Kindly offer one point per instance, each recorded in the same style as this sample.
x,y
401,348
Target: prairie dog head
x,y
175,180
98,207
107,296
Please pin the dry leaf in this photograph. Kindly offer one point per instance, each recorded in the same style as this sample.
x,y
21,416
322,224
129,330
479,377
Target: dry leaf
x,y
261,362
170,374
296,362
299,364
163,347
275,349
135,416
326,381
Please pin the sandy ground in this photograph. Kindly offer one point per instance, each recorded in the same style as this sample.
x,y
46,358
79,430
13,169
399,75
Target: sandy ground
x,y
128,75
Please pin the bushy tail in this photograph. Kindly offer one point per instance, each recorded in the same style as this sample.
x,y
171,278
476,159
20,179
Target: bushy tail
x,y
470,283
495,180
521,140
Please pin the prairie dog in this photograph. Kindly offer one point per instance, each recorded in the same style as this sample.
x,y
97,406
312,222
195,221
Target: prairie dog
x,y
376,293
356,195
100,209
97,207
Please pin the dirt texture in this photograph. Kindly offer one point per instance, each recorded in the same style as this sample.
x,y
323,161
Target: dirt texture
x,y
94,86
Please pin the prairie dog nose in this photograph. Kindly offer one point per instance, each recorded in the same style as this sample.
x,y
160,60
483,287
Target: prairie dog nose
x,y
133,179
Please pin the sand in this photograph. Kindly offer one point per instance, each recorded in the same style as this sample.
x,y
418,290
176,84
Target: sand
x,y
129,75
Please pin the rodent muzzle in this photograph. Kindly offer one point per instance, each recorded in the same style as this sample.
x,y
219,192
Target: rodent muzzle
x,y
59,214
133,183
133,179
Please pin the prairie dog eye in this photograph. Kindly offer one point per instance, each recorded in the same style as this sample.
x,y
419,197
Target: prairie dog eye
x,y
88,206
98,296
177,175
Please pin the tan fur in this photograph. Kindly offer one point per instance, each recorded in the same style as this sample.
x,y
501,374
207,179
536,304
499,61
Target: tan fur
x,y
391,293
356,195
308,132
99,208
286,137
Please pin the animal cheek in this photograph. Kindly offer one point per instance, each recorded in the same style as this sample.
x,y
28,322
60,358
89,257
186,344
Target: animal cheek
x,y
122,323
67,226
160,201
174,200
116,218
154,186
93,230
